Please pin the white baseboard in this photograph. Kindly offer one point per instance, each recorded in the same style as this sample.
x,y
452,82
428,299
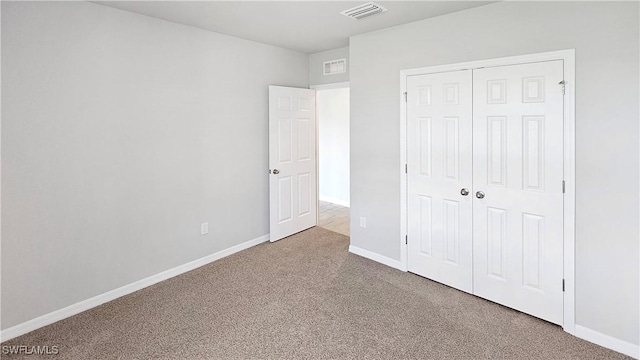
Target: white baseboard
x,y
84,305
607,341
582,332
376,257
334,201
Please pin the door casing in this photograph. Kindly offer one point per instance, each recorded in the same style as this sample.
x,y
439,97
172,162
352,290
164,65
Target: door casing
x,y
568,57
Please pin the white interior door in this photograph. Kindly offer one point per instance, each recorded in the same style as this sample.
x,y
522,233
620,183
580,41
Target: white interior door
x,y
439,163
292,160
518,166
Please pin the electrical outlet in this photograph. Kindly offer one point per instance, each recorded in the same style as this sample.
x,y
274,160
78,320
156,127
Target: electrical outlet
x,y
204,228
363,222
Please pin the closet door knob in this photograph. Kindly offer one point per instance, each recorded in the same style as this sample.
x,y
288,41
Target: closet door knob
x,y
480,195
464,192
276,171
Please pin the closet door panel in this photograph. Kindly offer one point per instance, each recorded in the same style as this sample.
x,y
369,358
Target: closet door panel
x,y
517,183
439,159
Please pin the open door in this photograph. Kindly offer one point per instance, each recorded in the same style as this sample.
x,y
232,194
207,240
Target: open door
x,y
292,161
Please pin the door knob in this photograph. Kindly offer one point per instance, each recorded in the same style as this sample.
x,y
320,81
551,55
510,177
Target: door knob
x,y
464,192
276,171
480,195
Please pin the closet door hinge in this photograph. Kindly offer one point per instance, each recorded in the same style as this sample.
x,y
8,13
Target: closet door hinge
x,y
563,85
405,96
406,239
562,285
563,187
405,169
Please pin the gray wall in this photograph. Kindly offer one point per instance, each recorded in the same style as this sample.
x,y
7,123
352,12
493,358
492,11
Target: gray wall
x,y
121,134
606,37
316,76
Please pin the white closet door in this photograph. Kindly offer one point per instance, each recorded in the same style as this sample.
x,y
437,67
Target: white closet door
x,y
518,166
439,167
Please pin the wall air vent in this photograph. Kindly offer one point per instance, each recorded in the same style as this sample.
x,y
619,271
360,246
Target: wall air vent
x,y
334,67
363,11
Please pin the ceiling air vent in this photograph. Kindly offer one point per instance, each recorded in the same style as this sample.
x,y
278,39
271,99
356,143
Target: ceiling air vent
x,y
364,10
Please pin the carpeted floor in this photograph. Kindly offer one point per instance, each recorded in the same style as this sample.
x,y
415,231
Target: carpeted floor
x,y
305,297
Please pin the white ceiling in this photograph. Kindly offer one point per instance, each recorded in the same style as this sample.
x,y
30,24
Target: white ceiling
x,y
305,26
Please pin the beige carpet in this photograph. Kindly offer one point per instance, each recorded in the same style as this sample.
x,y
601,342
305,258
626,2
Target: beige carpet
x,y
305,297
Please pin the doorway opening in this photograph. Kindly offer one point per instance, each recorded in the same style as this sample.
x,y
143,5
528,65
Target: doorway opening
x,y
332,109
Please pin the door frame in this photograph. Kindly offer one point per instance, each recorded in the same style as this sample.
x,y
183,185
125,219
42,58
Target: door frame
x,y
338,85
568,57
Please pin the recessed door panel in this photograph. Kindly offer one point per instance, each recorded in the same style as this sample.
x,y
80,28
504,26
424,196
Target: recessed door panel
x,y
496,91
284,140
424,132
450,94
284,103
532,250
496,242
304,194
304,132
533,152
451,148
424,95
285,199
424,203
496,150
451,231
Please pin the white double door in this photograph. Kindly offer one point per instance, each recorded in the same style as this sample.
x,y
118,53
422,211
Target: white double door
x,y
485,183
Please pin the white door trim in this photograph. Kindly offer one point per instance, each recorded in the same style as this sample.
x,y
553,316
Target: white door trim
x,y
569,159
